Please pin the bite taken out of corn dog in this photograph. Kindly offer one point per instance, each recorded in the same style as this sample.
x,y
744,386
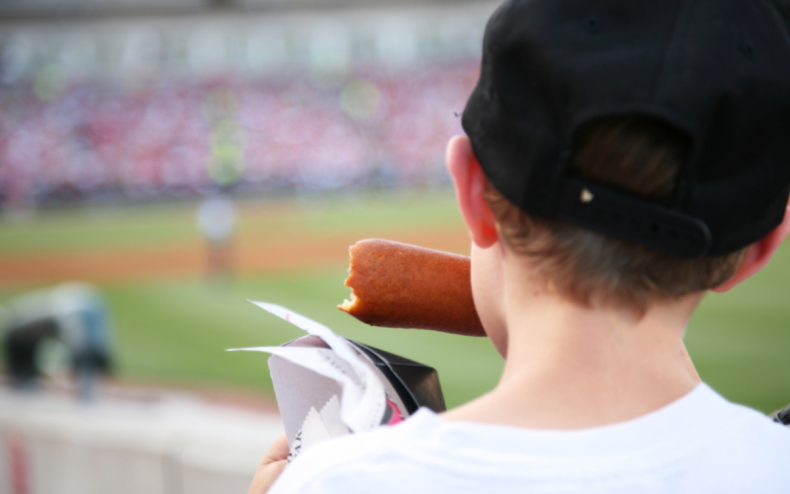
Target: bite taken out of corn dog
x,y
398,285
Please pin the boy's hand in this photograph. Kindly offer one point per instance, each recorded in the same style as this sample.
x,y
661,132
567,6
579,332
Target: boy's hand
x,y
271,467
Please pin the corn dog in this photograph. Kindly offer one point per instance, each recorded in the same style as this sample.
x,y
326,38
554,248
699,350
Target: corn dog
x,y
398,285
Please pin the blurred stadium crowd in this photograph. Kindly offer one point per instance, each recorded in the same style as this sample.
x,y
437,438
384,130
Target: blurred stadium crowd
x,y
256,108
184,138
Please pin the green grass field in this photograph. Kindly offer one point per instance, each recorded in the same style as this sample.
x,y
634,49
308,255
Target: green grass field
x,y
175,330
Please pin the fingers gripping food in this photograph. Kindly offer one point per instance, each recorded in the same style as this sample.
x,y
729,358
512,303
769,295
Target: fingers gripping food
x,y
399,285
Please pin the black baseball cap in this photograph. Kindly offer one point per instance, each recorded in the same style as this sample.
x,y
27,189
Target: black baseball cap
x,y
716,70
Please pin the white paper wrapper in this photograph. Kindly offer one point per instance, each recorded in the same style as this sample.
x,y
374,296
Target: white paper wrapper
x,y
334,368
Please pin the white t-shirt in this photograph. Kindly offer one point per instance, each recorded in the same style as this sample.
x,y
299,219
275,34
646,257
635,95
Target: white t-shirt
x,y
700,443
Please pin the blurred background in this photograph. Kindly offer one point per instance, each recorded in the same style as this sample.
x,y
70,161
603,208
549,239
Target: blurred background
x,y
163,161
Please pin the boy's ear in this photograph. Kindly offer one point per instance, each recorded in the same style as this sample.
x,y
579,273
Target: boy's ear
x,y
470,183
758,255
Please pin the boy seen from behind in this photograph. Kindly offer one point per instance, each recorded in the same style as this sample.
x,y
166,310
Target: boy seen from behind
x,y
622,159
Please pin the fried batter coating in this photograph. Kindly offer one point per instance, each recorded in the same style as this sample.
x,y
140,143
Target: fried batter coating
x,y
398,285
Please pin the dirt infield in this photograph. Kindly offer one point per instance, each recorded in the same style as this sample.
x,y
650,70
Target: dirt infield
x,y
252,255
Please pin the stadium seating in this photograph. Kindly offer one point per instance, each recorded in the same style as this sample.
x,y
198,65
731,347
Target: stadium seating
x,y
173,137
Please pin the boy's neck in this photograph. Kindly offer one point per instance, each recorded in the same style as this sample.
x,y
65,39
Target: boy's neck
x,y
571,367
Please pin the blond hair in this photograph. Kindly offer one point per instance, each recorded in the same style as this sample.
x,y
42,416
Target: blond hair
x,y
632,153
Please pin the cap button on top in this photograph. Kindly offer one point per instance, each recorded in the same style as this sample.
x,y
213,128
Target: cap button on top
x,y
593,24
747,49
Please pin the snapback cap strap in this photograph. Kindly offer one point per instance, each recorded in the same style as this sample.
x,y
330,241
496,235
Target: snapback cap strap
x,y
605,210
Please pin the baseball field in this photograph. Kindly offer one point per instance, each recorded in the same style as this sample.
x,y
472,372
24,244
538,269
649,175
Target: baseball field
x,y
172,327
